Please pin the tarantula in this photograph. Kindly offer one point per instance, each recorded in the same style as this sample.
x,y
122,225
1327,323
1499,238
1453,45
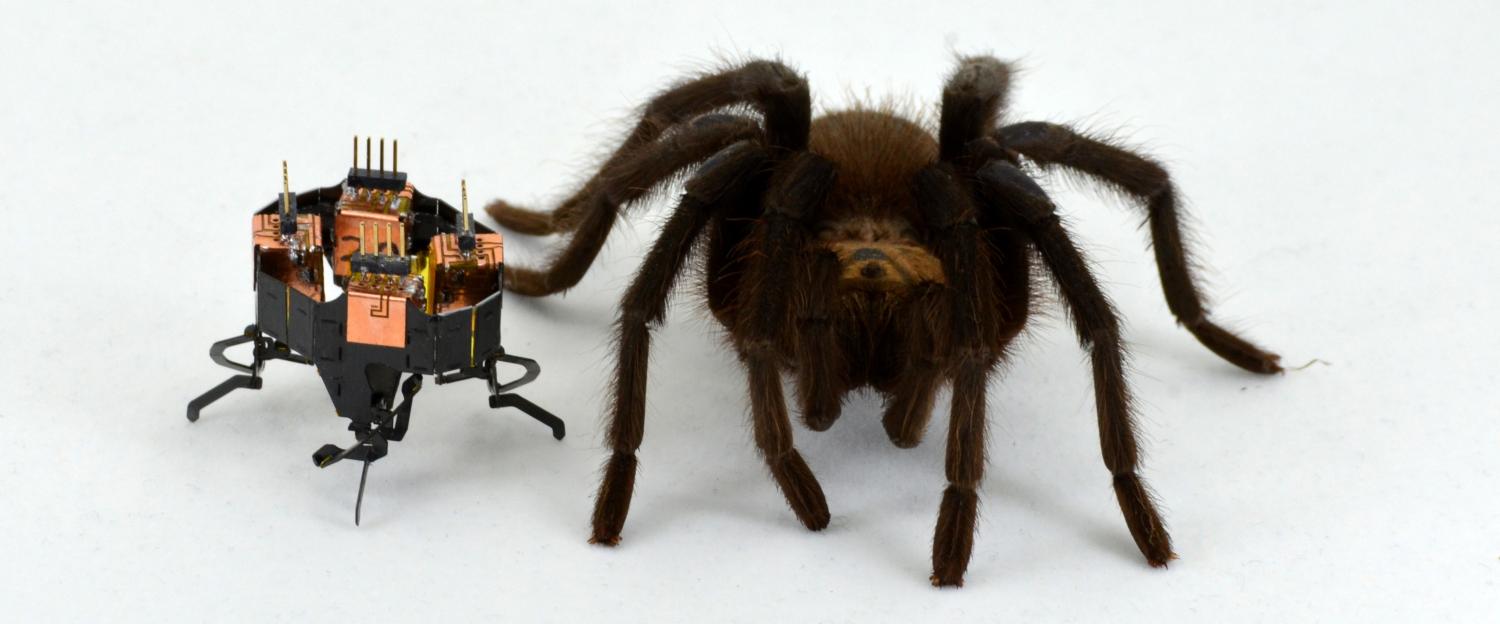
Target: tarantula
x,y
857,249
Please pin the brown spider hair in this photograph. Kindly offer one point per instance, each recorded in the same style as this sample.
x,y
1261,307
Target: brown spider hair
x,y
858,249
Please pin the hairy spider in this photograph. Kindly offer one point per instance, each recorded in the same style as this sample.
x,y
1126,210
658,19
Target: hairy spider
x,y
856,249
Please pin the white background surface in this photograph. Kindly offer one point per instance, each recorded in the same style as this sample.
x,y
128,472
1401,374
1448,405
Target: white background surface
x,y
1340,160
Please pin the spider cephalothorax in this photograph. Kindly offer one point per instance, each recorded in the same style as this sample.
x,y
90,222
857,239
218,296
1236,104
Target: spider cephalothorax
x,y
858,249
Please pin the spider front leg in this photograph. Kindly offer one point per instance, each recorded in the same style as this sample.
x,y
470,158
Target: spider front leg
x,y
774,90
1007,188
951,216
774,438
644,308
908,407
822,372
1146,182
974,98
767,313
953,542
909,398
627,165
627,182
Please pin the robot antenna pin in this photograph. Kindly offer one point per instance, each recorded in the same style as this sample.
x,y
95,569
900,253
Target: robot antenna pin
x,y
422,286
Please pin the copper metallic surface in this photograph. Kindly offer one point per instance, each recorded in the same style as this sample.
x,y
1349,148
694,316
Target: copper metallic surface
x,y
489,250
266,229
461,281
275,258
376,318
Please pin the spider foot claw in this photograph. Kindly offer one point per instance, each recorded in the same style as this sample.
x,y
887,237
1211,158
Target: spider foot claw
x,y
1141,518
802,491
1161,562
1234,349
608,542
938,581
954,542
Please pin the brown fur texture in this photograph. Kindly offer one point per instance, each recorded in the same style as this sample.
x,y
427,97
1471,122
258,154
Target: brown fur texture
x,y
858,249
877,153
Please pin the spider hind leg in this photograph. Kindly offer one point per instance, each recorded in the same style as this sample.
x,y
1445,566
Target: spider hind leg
x,y
1006,188
1147,183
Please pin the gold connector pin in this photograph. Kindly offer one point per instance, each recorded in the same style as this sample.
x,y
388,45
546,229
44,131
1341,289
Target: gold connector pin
x,y
395,156
286,191
463,186
362,248
367,153
390,241
382,154
355,162
401,239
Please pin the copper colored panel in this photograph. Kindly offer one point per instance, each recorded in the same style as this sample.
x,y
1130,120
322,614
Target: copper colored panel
x,y
304,274
489,250
464,281
266,230
303,270
376,319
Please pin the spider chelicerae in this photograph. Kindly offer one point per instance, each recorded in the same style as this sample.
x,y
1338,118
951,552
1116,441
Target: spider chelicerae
x,y
858,249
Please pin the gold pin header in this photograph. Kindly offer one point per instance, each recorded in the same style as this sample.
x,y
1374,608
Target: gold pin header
x,y
463,186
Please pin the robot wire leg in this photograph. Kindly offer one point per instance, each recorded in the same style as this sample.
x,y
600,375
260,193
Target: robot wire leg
x,y
250,377
501,396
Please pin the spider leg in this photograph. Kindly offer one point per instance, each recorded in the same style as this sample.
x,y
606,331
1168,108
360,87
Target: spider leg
x,y
565,217
774,90
533,222
908,405
822,378
633,179
971,359
643,309
1007,188
973,99
796,191
1146,182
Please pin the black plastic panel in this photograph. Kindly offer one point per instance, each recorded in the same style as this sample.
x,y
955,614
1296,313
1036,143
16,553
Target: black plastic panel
x,y
271,306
